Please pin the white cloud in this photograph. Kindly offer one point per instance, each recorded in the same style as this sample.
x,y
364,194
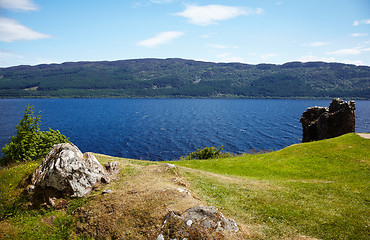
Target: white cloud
x,y
24,5
349,51
11,30
358,34
365,21
317,44
161,38
211,14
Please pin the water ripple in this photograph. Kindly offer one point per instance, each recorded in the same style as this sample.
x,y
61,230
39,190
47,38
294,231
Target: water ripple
x,y
165,129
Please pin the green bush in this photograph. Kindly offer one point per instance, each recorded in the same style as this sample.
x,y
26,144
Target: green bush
x,y
207,153
30,143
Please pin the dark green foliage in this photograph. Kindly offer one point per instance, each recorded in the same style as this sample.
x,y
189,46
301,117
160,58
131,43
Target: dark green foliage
x,y
30,143
186,78
207,153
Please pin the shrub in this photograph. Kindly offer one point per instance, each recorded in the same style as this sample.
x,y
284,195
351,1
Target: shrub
x,y
207,153
30,143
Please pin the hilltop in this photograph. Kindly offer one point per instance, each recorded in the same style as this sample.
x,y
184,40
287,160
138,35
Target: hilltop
x,y
316,190
186,78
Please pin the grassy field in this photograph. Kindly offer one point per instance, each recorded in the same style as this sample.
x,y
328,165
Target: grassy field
x,y
318,190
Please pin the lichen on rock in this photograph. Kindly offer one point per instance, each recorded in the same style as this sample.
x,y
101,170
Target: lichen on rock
x,y
69,172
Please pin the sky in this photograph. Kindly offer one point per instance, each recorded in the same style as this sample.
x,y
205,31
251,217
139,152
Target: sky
x,y
248,31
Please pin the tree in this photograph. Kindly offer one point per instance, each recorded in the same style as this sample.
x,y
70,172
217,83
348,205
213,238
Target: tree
x,y
30,143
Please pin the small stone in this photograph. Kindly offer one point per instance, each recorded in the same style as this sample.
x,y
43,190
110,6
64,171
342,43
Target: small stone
x,y
112,167
30,188
106,191
51,202
169,165
160,237
189,222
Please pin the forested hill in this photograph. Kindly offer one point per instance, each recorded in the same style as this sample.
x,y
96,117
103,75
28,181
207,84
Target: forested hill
x,y
185,78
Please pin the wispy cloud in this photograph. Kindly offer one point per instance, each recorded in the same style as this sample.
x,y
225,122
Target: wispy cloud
x,y
161,1
268,55
358,34
228,57
11,30
10,58
349,51
205,36
24,5
148,3
311,58
354,62
358,22
316,44
220,46
160,38
212,14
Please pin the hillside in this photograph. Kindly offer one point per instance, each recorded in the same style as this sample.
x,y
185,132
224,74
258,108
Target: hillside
x,y
316,190
185,78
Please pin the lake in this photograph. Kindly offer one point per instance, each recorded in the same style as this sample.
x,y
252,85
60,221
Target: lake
x,y
165,129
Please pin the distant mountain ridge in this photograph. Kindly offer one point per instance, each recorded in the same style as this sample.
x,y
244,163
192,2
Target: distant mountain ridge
x,y
186,78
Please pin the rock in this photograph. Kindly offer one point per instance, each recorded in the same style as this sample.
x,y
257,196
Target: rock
x,y
69,172
107,191
112,167
160,237
209,217
30,188
52,202
197,222
170,165
322,123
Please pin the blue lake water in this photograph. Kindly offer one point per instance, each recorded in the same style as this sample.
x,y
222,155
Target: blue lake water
x,y
165,129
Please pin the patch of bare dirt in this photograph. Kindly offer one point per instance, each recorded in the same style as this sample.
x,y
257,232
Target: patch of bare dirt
x,y
137,204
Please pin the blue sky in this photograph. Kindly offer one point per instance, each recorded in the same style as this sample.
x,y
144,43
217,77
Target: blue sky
x,y
248,31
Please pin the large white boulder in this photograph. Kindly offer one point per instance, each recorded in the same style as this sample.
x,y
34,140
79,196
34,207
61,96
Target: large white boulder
x,y
68,171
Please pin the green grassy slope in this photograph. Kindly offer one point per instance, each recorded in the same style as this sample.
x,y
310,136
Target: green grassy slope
x,y
320,189
317,190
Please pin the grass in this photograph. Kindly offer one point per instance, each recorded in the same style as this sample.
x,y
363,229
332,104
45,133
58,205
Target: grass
x,y
320,189
18,221
13,181
317,190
